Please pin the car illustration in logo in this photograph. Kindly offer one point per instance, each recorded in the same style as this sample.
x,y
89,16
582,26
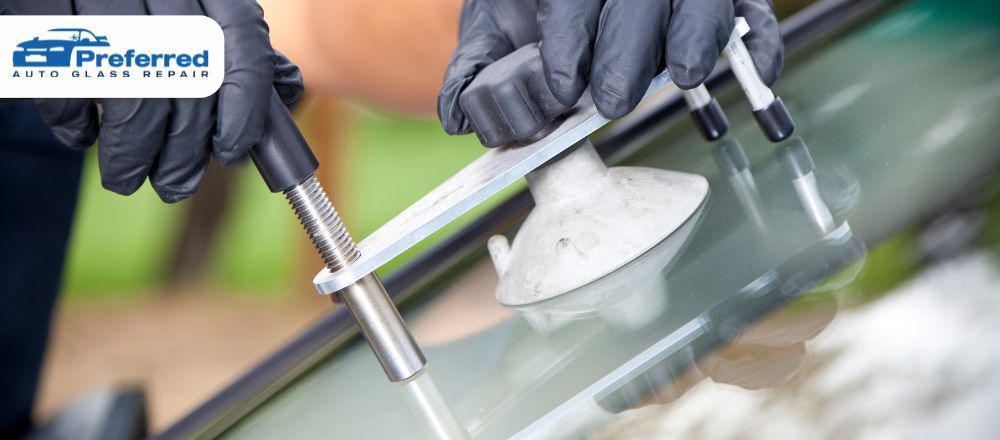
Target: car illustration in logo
x,y
55,47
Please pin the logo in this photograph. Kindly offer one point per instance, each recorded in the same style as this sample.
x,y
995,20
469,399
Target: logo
x,y
110,56
55,47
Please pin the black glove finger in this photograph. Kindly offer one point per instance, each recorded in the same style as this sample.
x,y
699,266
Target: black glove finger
x,y
287,80
36,7
174,7
568,30
480,43
109,7
247,87
73,121
699,30
628,51
132,132
764,40
184,156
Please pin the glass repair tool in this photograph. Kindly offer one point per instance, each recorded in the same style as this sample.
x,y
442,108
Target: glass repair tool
x,y
287,165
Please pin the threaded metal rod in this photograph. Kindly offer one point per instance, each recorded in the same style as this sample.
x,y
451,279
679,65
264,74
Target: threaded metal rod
x,y
321,222
366,299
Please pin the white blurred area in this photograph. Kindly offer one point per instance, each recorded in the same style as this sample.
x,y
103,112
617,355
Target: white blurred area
x,y
921,362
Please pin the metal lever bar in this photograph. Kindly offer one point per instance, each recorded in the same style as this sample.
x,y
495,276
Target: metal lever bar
x,y
288,165
498,168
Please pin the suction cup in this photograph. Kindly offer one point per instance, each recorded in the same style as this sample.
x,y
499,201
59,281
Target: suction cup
x,y
628,299
590,220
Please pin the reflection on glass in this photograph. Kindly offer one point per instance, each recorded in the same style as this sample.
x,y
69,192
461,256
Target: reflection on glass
x,y
799,164
734,164
430,408
642,314
755,353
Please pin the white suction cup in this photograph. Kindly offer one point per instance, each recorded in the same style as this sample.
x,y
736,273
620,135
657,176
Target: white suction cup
x,y
588,221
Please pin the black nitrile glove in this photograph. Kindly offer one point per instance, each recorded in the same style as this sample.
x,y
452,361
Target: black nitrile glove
x,y
488,30
615,47
170,140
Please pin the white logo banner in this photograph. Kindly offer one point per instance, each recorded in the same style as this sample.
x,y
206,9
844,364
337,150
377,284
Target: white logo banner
x,y
91,56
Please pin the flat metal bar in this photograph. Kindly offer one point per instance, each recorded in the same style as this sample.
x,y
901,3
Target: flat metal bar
x,y
495,170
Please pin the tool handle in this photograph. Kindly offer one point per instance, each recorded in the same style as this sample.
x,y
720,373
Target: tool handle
x,y
770,112
795,158
283,157
288,166
486,100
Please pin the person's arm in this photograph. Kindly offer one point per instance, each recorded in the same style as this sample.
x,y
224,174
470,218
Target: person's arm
x,y
391,54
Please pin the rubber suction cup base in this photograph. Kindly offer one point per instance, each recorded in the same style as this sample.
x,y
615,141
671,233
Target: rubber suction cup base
x,y
590,220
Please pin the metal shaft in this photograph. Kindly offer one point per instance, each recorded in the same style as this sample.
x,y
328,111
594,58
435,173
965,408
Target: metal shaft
x,y
322,223
740,60
366,299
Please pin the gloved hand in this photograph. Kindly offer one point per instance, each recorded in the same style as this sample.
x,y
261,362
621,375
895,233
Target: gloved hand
x,y
615,47
170,140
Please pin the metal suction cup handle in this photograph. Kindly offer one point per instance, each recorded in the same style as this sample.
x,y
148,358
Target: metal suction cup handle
x,y
287,165
485,101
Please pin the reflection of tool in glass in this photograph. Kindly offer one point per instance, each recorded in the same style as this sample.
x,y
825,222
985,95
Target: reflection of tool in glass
x,y
287,165
798,162
732,160
430,408
830,223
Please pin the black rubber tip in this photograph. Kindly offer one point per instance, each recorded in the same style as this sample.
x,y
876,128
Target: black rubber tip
x,y
711,121
775,121
283,157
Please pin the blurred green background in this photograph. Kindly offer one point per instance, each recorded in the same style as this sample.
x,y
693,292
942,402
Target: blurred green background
x,y
122,246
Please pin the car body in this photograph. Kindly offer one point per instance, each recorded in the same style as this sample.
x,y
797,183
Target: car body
x,y
55,47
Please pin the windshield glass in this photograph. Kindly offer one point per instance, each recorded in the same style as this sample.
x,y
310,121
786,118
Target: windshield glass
x,y
894,118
